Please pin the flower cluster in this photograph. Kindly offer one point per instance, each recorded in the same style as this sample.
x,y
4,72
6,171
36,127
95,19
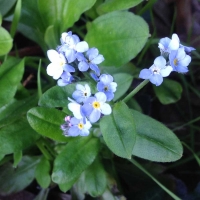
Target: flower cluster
x,y
86,107
178,60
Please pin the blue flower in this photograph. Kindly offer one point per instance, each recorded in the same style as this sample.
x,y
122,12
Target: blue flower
x,y
66,78
91,60
81,93
157,71
179,60
71,45
95,106
78,127
107,86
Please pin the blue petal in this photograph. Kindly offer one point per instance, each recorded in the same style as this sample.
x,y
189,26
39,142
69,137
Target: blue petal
x,y
145,74
92,53
74,131
86,109
95,68
83,66
68,68
109,95
94,116
70,55
156,79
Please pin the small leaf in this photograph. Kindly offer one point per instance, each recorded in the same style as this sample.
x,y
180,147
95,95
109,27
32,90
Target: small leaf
x,y
50,37
11,73
112,5
64,187
154,141
118,45
16,137
47,122
13,180
123,81
95,179
5,6
169,92
74,159
42,173
118,130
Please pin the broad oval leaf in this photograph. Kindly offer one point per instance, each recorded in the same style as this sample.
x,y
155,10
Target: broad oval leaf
x,y
47,122
42,173
74,159
13,180
95,179
118,45
11,73
154,141
16,137
63,13
123,81
112,5
5,41
118,130
169,92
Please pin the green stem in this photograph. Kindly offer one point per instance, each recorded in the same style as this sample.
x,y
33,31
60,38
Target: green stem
x,y
136,90
154,179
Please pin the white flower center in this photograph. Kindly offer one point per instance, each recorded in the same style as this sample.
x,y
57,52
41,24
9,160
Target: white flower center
x,y
155,69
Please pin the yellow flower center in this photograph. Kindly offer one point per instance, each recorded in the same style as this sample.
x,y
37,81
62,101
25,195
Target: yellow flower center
x,y
96,104
80,126
175,62
61,63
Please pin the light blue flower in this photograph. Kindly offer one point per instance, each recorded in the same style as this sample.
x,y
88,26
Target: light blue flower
x,y
66,78
179,60
95,106
58,64
107,86
157,71
78,127
81,93
91,60
71,45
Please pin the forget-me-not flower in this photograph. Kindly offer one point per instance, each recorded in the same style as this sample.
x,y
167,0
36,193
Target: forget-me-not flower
x,y
81,93
71,45
79,127
107,86
58,64
157,71
66,78
91,60
95,106
179,60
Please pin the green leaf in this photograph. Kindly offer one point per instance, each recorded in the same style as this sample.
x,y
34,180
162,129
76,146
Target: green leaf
x,y
50,37
11,73
17,156
154,141
15,110
118,45
16,18
42,173
95,179
62,13
74,159
47,122
5,6
16,137
112,5
64,187
5,41
13,180
169,92
118,130
123,81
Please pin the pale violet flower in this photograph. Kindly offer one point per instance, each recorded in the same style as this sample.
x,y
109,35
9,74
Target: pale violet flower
x,y
71,45
79,127
58,64
166,45
91,60
95,106
81,93
107,86
179,60
66,78
157,71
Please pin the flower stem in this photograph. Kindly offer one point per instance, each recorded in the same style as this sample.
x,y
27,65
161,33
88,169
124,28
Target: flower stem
x,y
136,90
